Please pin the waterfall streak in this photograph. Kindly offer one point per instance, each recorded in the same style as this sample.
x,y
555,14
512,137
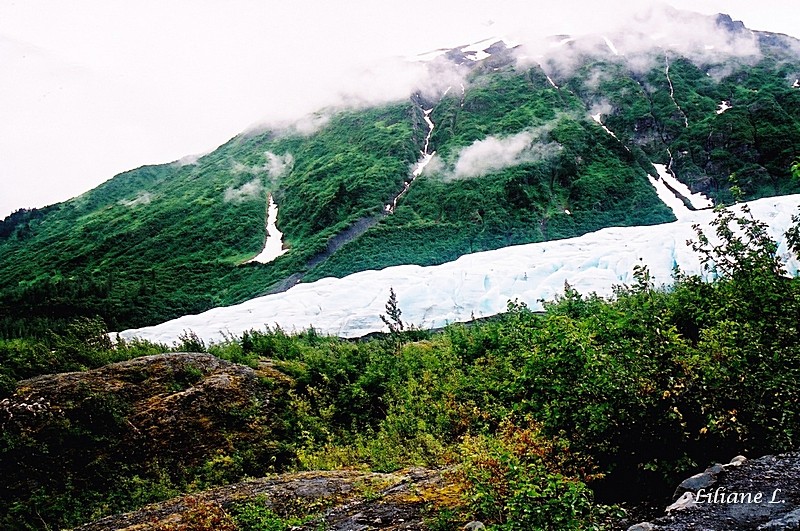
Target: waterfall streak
x,y
672,92
425,158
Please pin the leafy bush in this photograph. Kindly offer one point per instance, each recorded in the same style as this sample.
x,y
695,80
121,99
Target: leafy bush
x,y
255,515
522,480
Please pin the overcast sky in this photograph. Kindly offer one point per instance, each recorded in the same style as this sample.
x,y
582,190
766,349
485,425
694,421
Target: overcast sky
x,y
92,88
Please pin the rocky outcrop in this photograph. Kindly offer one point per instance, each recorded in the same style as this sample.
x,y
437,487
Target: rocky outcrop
x,y
336,500
758,494
159,422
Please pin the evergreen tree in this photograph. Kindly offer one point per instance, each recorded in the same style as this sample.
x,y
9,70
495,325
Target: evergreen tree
x,y
392,316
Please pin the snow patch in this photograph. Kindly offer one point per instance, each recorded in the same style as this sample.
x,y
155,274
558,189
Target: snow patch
x,y
723,106
611,45
698,200
796,83
596,118
551,81
477,56
669,198
478,284
480,46
273,246
477,51
562,42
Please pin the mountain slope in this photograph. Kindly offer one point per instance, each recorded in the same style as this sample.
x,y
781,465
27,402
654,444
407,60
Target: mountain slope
x,y
160,241
522,151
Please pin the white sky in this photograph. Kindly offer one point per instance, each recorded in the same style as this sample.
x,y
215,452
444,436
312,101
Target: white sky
x,y
92,88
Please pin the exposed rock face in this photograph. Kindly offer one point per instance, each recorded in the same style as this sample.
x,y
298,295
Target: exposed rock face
x,y
758,494
725,21
344,500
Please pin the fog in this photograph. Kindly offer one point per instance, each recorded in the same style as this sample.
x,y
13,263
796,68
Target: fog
x,y
277,165
250,190
274,165
649,33
495,153
95,88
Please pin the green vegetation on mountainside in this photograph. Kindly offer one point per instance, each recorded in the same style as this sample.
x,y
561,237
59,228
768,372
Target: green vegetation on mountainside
x,y
750,145
163,241
590,181
599,180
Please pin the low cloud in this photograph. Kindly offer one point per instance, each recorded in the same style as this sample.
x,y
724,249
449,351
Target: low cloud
x,y
191,160
238,167
249,190
268,65
720,72
305,125
602,107
311,123
435,166
494,153
274,166
596,78
392,79
277,165
188,160
640,41
142,198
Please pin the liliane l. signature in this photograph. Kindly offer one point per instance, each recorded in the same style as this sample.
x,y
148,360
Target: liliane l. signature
x,y
720,495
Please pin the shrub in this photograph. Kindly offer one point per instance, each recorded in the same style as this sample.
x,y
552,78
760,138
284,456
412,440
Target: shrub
x,y
521,480
254,515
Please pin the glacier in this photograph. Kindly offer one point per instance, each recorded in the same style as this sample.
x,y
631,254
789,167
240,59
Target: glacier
x,y
479,284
